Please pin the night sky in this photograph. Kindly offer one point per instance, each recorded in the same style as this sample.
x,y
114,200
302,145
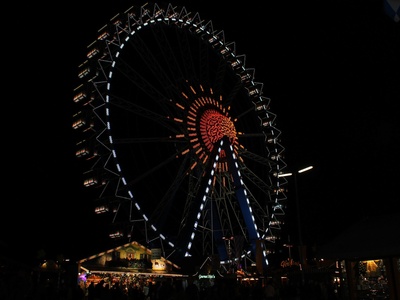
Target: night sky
x,y
332,72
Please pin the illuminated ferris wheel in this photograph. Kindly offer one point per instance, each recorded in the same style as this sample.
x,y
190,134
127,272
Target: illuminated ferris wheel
x,y
178,140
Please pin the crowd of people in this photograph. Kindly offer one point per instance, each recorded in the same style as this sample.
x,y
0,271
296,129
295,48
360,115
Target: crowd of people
x,y
22,286
192,289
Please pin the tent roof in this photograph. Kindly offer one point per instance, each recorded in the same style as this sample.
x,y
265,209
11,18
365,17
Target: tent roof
x,y
373,237
145,250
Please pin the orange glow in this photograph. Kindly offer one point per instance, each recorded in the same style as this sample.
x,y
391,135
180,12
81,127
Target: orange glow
x,y
214,126
180,106
208,121
192,167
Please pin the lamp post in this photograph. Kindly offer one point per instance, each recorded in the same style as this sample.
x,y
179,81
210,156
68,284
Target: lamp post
x,y
300,238
289,246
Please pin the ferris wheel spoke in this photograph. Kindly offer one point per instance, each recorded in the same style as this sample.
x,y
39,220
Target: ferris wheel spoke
x,y
141,111
256,157
134,78
168,202
169,54
144,140
159,61
151,170
188,64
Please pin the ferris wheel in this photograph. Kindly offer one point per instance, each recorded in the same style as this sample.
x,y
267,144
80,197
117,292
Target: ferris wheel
x,y
178,140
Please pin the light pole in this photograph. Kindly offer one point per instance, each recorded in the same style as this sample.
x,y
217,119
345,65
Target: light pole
x,y
301,245
289,246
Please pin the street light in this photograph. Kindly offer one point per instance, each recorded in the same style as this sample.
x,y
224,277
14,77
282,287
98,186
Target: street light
x,y
301,246
289,246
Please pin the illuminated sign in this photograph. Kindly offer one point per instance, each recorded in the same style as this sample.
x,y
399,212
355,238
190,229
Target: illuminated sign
x,y
206,276
289,263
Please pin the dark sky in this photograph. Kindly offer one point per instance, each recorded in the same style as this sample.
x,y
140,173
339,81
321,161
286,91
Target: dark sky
x,y
332,71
